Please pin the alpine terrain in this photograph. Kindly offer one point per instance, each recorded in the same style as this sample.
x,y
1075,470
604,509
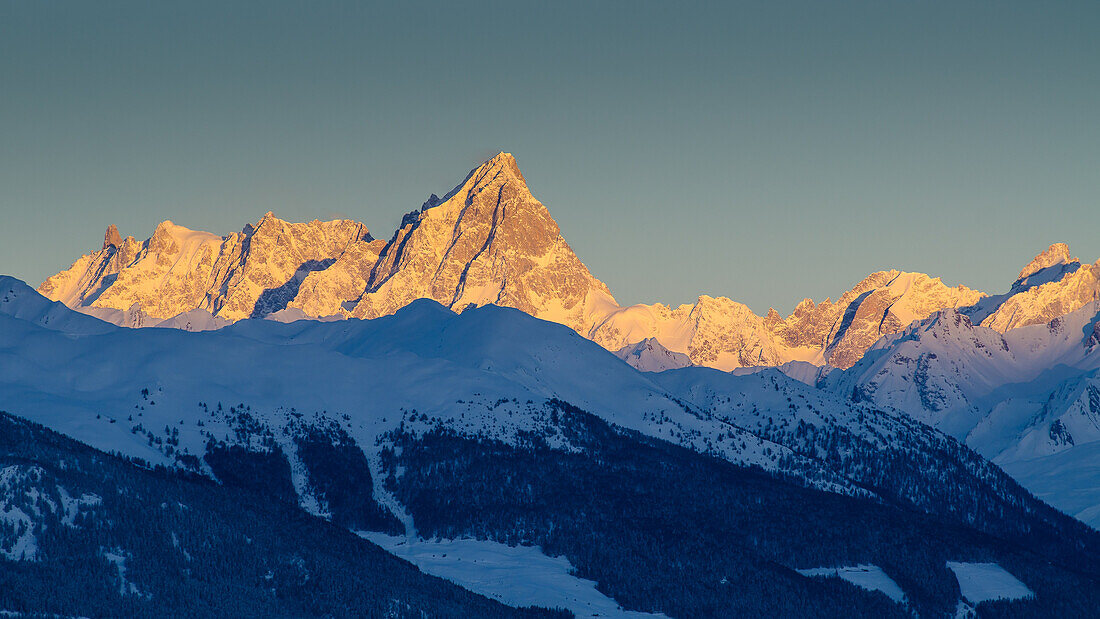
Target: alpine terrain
x,y
299,419
487,241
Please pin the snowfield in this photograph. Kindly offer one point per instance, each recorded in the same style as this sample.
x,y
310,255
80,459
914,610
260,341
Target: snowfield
x,y
982,582
514,575
869,577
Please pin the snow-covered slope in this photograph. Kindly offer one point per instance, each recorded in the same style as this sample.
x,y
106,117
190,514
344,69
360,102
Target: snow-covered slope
x,y
365,391
819,425
194,320
515,575
489,371
87,534
20,301
1016,397
649,355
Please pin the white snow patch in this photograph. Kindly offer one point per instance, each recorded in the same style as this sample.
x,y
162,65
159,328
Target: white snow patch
x,y
514,575
71,505
24,545
17,490
193,320
964,611
980,582
299,478
125,587
869,577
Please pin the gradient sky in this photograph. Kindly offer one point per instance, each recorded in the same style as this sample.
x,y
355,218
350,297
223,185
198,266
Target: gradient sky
x,y
764,151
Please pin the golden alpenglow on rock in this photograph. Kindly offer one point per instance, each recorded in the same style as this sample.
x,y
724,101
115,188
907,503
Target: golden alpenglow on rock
x,y
241,275
489,241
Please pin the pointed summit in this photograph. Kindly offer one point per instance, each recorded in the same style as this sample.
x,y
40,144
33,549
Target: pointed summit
x,y
1053,284
161,241
505,162
488,241
498,170
1056,254
111,237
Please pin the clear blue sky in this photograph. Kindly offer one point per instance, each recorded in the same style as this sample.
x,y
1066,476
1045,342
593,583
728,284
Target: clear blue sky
x,y
765,151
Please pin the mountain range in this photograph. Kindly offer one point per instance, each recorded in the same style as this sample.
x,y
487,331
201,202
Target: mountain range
x,y
468,398
489,241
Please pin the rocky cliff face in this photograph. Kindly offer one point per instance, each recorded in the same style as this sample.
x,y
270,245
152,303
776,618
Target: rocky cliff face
x,y
489,241
82,283
325,292
1057,255
242,275
883,303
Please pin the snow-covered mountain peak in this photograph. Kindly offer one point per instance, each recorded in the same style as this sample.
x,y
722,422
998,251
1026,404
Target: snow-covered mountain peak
x,y
1053,284
948,321
946,333
169,237
649,355
883,303
1055,255
498,173
498,170
487,241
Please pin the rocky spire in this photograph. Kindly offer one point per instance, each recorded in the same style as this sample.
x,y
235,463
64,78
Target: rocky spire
x,y
486,241
111,237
